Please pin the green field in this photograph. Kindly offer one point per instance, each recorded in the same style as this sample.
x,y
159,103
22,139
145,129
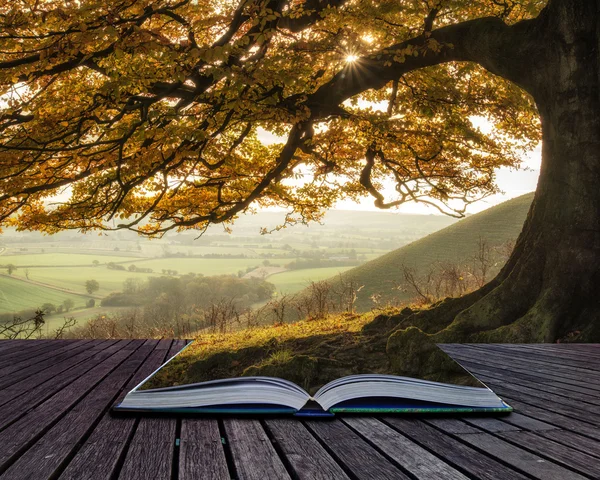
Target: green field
x,y
43,259
74,278
65,260
295,280
454,244
16,295
204,266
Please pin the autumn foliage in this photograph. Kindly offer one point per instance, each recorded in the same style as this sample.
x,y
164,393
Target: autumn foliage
x,y
154,114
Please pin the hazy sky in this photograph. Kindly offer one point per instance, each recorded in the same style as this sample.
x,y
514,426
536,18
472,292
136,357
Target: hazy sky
x,y
511,182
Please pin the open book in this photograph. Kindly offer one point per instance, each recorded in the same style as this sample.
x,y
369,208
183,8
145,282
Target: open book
x,y
368,392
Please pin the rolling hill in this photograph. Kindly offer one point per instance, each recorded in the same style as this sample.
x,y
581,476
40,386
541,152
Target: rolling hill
x,y
455,243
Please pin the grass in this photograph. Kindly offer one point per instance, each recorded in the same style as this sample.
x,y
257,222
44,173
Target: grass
x,y
454,244
74,278
309,353
204,266
293,281
267,346
82,315
44,259
16,295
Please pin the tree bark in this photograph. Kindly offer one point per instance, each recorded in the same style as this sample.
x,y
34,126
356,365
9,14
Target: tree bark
x,y
549,290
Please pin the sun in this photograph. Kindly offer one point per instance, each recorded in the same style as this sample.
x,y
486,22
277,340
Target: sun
x,y
351,58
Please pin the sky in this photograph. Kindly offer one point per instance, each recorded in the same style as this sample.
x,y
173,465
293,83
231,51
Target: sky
x,y
511,182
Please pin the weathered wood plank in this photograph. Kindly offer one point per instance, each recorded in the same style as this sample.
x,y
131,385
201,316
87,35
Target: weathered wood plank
x,y
527,423
501,357
20,398
201,453
492,425
542,372
24,432
538,382
556,452
588,414
574,440
30,352
582,401
19,370
548,352
150,454
306,456
45,457
516,457
252,452
410,456
105,447
457,454
11,345
353,452
539,411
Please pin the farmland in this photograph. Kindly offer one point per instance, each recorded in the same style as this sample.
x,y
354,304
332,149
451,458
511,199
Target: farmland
x,y
295,280
37,269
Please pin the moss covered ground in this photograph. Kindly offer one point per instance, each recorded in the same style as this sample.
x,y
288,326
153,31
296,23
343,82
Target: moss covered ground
x,y
310,353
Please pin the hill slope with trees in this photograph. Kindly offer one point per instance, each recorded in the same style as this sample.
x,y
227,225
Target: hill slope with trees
x,y
456,244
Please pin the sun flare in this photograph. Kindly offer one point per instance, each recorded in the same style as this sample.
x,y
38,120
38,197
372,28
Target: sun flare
x,y
351,58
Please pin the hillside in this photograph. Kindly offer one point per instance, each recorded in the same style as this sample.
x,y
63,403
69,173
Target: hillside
x,y
455,243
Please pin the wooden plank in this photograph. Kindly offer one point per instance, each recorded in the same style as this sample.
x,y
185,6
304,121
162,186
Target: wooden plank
x,y
30,352
9,346
576,350
44,458
583,401
253,454
408,455
201,453
14,373
353,452
576,389
20,398
307,458
150,454
24,432
541,371
106,446
6,344
540,413
574,440
492,425
452,451
518,458
546,355
552,402
571,458
527,423
530,360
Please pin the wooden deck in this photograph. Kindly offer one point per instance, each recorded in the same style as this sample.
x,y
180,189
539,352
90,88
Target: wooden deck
x,y
55,398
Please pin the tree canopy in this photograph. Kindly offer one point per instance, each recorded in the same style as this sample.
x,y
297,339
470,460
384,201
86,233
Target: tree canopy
x,y
153,114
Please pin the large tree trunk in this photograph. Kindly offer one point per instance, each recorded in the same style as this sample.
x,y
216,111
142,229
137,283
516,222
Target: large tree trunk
x,y
549,290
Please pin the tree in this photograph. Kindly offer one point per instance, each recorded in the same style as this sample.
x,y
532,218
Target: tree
x,y
92,286
10,268
48,308
152,113
95,263
68,304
